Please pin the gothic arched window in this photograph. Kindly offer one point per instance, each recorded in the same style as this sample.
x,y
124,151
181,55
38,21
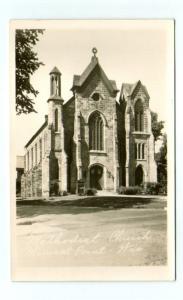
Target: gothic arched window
x,y
139,116
96,132
56,119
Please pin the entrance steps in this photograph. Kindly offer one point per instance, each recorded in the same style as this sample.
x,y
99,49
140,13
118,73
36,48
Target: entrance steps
x,y
106,193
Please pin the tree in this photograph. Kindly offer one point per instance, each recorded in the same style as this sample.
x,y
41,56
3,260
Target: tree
x,y
27,63
161,159
161,155
157,126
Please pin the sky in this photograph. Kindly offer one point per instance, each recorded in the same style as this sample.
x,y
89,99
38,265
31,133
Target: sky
x,y
128,51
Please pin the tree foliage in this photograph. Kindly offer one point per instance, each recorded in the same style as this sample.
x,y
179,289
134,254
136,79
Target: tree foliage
x,y
27,63
161,159
161,155
157,126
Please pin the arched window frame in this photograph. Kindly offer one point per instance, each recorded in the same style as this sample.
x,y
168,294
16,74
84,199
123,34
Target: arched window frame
x,y
96,132
139,115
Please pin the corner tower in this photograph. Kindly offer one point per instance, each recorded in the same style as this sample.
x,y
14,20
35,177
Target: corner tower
x,y
56,160
140,162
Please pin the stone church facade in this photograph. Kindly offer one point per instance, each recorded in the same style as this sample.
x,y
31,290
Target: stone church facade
x,y
94,138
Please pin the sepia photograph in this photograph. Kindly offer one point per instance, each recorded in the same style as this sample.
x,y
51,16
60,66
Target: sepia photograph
x,y
92,156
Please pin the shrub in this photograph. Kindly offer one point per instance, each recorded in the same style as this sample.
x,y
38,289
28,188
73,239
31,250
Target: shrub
x,y
121,190
162,188
152,188
131,190
64,193
54,189
91,192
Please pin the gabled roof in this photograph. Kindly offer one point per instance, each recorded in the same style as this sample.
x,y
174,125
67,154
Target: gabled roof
x,y
128,89
55,70
79,80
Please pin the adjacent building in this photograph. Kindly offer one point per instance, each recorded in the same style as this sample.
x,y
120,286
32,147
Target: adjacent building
x,y
19,173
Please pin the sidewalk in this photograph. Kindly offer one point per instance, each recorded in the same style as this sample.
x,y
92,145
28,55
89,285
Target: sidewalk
x,y
74,197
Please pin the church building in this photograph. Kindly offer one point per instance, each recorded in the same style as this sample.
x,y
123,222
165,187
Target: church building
x,y
98,138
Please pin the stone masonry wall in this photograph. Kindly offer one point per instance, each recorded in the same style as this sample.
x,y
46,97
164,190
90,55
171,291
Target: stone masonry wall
x,y
85,105
32,182
68,118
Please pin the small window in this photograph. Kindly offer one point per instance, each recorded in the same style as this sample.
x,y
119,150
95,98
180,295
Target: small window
x,y
28,161
139,151
36,154
96,96
136,151
32,157
40,149
143,151
56,119
45,142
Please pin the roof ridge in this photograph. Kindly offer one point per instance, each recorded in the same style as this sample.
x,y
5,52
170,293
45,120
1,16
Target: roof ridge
x,y
78,80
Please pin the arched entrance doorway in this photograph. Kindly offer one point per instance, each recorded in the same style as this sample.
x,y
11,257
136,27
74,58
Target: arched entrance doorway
x,y
139,175
97,177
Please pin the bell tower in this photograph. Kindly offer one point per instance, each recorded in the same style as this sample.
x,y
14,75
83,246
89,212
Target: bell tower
x,y
56,151
55,101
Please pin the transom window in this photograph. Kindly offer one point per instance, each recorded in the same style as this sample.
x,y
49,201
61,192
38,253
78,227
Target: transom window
x,y
96,132
139,116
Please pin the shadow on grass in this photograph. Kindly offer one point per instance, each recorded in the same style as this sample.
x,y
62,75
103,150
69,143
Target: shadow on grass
x,y
87,205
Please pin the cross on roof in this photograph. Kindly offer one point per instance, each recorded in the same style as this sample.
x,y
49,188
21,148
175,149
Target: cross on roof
x,y
94,50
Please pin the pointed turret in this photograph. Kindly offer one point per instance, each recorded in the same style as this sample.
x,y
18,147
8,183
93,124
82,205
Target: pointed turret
x,y
55,84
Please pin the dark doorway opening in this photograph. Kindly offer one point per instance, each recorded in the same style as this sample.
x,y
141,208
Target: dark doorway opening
x,y
97,177
139,175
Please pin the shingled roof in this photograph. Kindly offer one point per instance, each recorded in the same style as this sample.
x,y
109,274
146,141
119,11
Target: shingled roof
x,y
128,89
78,80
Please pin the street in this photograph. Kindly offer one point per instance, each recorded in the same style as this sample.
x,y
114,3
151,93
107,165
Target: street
x,y
61,235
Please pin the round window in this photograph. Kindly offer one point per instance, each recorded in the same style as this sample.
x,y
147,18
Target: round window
x,y
96,96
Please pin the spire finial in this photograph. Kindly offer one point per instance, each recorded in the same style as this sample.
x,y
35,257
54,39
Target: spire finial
x,y
94,50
